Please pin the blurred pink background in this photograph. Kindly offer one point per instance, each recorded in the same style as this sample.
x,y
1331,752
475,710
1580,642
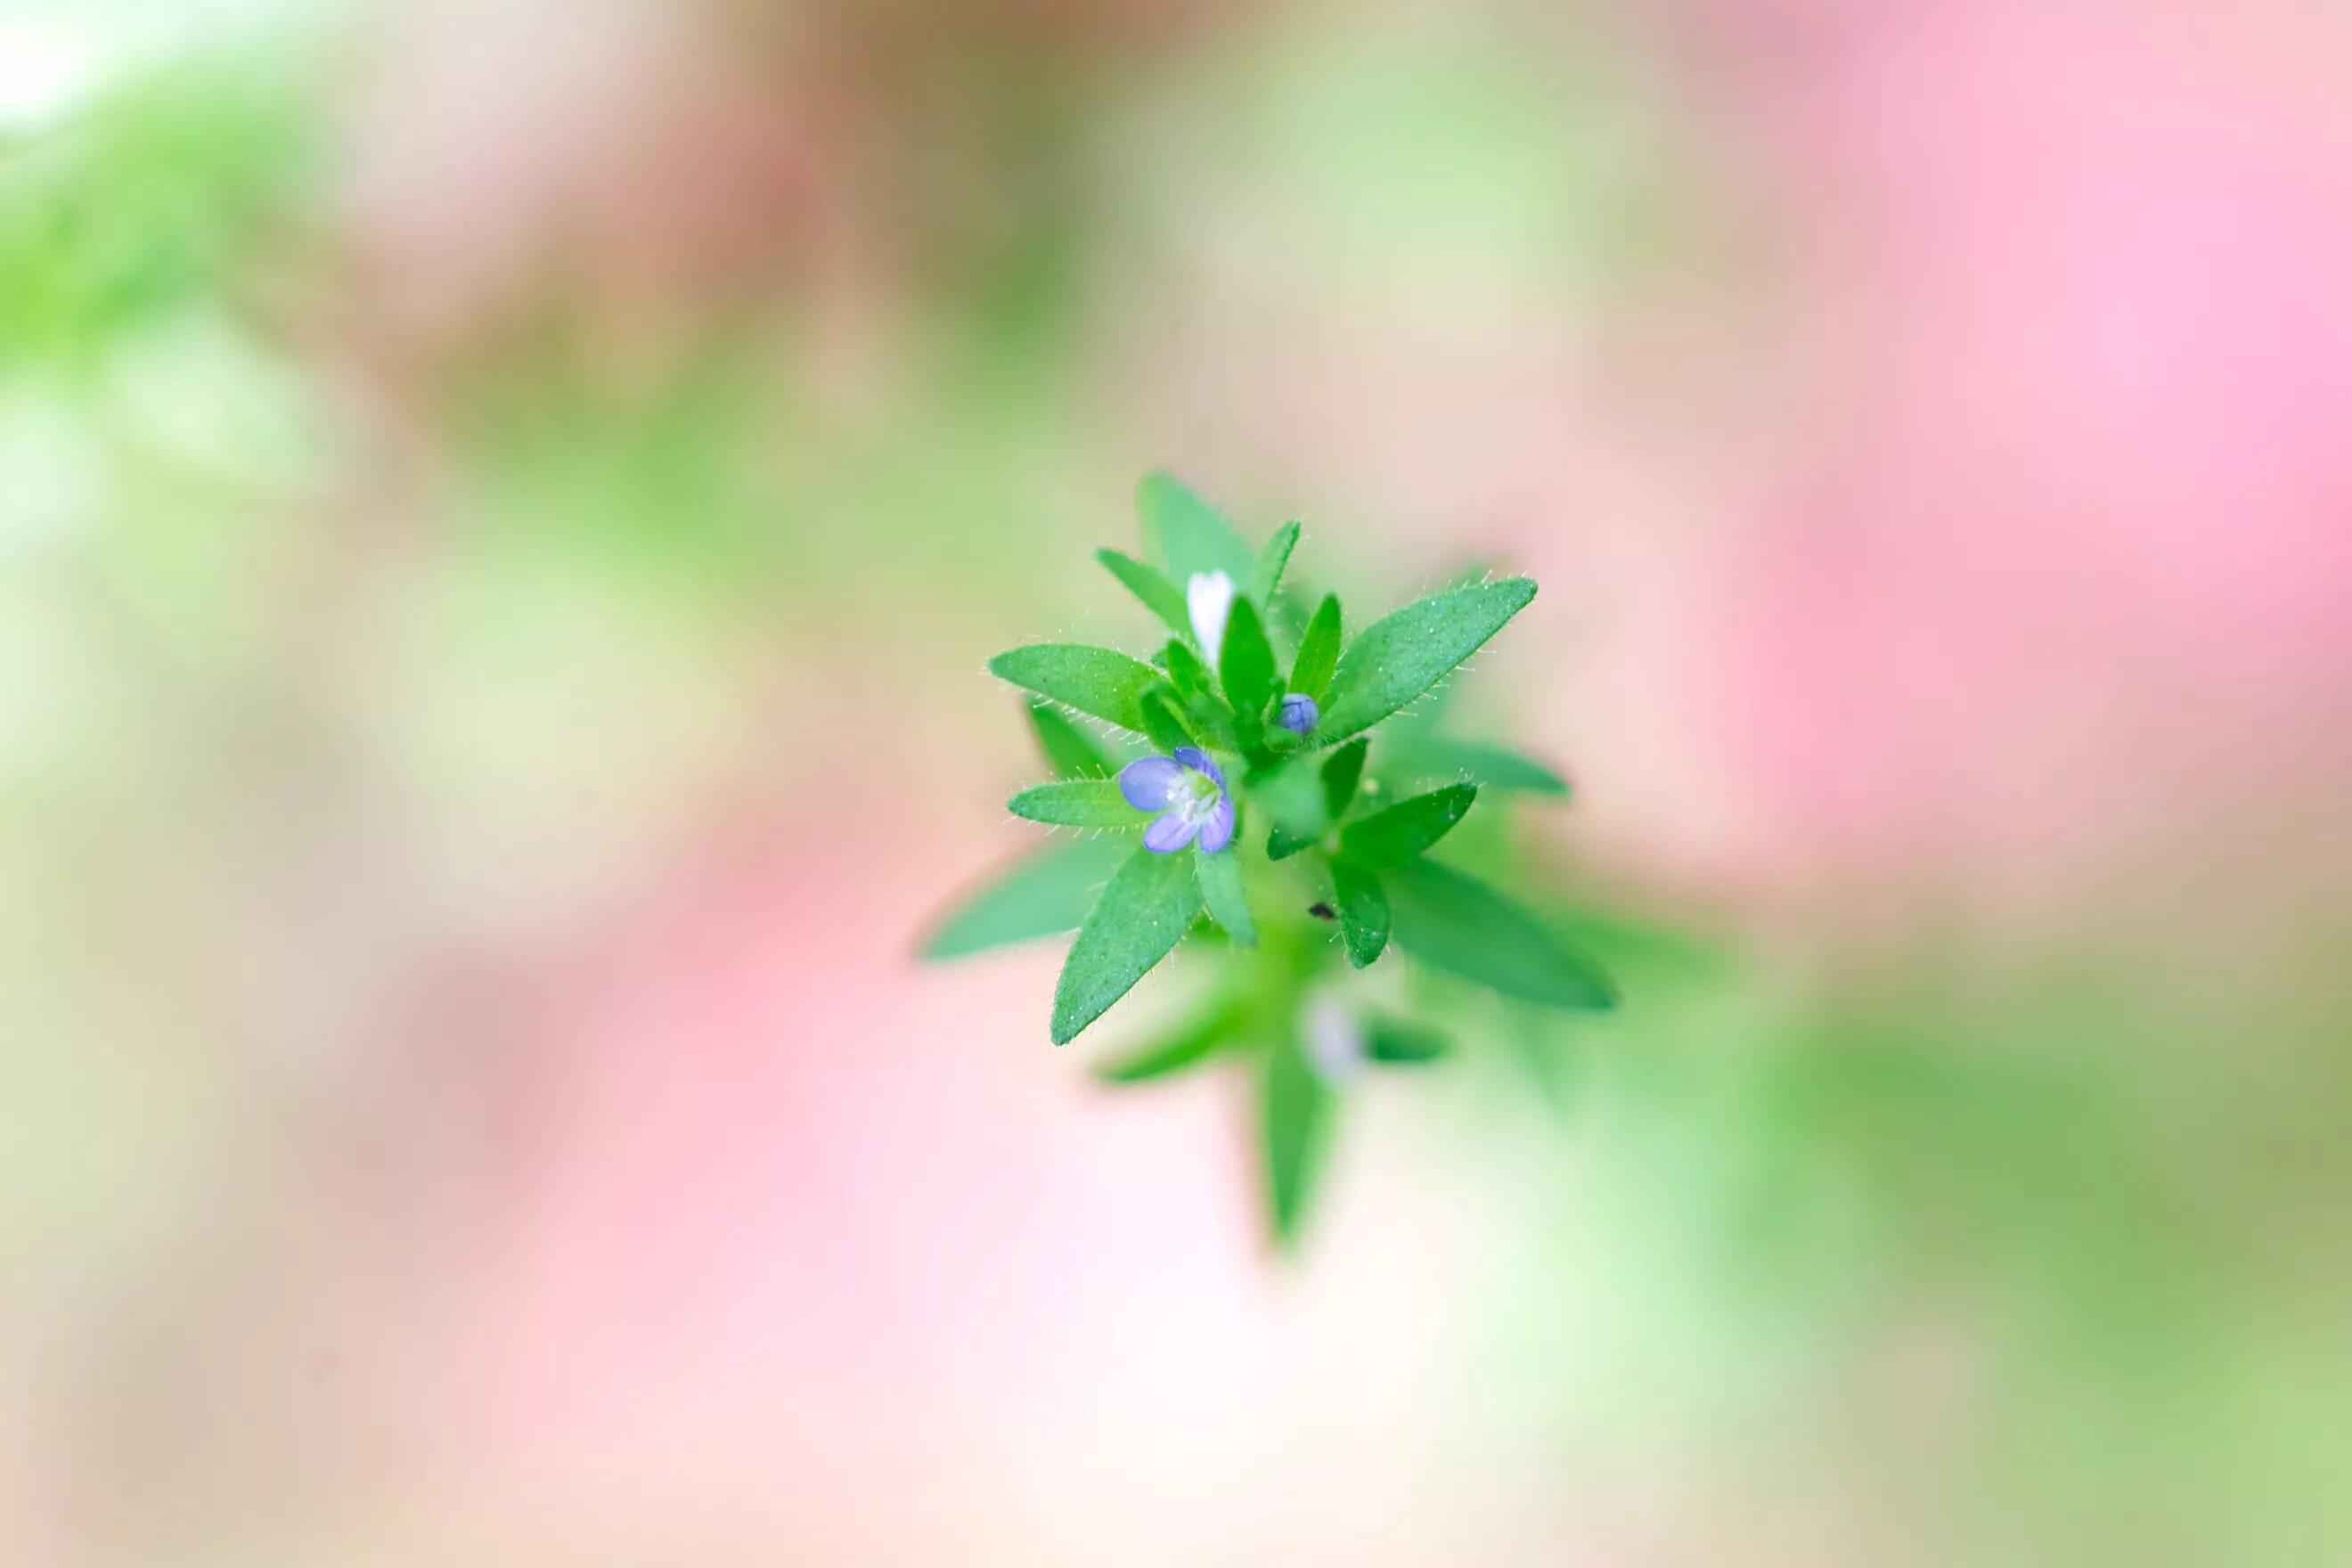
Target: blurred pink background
x,y
474,1099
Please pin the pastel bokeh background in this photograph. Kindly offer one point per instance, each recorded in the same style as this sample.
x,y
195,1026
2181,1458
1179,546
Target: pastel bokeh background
x,y
502,507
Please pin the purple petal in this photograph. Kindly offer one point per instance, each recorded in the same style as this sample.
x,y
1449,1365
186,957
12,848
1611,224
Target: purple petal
x,y
1171,833
1218,830
1298,713
1146,782
1200,761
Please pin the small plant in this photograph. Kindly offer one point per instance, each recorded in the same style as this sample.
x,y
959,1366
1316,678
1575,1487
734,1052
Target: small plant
x,y
1254,795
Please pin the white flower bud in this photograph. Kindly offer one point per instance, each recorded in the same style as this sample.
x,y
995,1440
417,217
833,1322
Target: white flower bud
x,y
1210,598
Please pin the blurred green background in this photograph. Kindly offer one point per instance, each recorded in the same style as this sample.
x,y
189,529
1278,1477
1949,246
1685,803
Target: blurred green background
x,y
502,508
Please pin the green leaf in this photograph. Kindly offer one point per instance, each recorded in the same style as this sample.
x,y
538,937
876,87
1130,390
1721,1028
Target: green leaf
x,y
1163,719
1627,945
1043,895
1190,1046
1420,720
1076,802
1292,795
1150,586
1096,681
1400,656
1214,722
1221,892
1140,917
1402,1042
1363,909
1318,650
1247,665
1296,1114
1457,923
1343,771
1188,534
1282,844
1266,576
1497,767
1187,673
1071,750
1408,828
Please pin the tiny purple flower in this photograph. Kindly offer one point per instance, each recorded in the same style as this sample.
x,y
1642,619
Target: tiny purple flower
x,y
1188,792
1297,713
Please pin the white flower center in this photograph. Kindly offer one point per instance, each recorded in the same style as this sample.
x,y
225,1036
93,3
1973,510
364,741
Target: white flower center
x,y
1194,796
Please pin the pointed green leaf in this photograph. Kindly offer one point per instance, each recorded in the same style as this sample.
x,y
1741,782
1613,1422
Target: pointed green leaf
x,y
1150,586
1190,1046
1400,656
1140,917
1076,802
1496,767
1163,719
1408,828
1343,771
1296,1113
1213,721
1221,892
1265,575
1363,909
1457,923
1282,844
1402,1042
1043,895
1094,680
1318,650
1072,752
1187,673
1628,944
1187,533
1419,720
1246,663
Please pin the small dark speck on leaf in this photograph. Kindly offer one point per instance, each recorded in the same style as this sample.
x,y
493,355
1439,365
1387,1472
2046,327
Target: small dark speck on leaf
x,y
1323,911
